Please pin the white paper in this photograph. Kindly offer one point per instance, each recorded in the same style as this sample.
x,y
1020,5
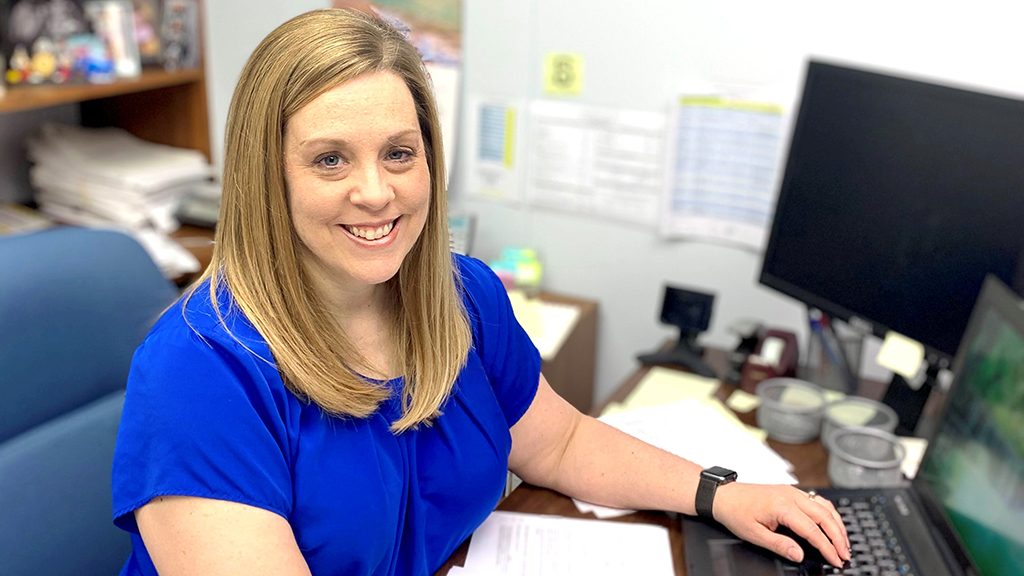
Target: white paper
x,y
914,453
596,161
723,170
511,543
548,324
682,428
494,127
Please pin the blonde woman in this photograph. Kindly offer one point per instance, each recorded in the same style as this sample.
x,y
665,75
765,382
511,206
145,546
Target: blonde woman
x,y
340,394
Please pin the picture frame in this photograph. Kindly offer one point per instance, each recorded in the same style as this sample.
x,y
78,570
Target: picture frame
x,y
114,22
148,14
179,33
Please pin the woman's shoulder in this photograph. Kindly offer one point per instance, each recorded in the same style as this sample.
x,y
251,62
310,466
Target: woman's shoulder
x,y
201,319
199,350
480,284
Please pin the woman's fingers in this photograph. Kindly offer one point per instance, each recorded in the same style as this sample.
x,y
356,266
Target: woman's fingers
x,y
832,524
814,532
755,513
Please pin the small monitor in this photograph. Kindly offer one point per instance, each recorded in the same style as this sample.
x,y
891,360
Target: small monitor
x,y
688,310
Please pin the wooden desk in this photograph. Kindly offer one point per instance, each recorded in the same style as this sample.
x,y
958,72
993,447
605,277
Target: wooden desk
x,y
809,461
198,241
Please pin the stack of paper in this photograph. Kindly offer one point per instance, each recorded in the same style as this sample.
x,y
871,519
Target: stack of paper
x,y
106,177
17,219
677,412
511,543
547,323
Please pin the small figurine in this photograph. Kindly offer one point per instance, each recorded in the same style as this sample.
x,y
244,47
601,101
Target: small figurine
x,y
19,66
44,61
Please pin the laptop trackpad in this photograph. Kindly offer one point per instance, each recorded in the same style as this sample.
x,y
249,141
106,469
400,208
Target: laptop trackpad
x,y
732,557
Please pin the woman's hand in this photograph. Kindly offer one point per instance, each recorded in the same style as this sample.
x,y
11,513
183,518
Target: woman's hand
x,y
754,512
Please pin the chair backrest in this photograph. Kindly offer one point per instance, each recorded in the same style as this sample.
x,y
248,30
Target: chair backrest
x,y
74,305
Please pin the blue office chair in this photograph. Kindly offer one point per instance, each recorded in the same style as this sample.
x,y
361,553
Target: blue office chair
x,y
74,304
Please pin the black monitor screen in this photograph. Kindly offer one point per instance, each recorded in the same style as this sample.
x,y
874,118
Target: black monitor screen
x,y
898,197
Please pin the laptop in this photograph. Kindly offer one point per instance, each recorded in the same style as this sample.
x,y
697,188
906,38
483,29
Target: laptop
x,y
963,513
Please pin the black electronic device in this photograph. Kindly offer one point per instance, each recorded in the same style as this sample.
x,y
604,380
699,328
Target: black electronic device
x,y
899,196
710,480
690,311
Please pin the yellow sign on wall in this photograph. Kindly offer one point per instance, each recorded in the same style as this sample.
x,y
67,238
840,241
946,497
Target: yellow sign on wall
x,y
563,74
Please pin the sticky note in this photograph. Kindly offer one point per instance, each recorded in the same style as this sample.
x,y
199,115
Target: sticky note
x,y
901,355
741,401
563,74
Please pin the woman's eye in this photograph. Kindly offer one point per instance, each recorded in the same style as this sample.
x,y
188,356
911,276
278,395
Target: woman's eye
x,y
399,155
329,160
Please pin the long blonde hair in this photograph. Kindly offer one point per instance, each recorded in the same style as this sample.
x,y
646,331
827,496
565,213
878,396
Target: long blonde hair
x,y
256,252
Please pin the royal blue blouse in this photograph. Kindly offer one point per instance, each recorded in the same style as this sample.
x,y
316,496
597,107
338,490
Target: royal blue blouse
x,y
208,415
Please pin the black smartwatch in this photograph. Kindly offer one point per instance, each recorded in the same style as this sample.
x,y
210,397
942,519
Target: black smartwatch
x,y
710,480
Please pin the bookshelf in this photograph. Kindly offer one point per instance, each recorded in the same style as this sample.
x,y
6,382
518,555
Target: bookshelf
x,y
159,106
162,106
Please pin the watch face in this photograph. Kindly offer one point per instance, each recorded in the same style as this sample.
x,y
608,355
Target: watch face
x,y
719,474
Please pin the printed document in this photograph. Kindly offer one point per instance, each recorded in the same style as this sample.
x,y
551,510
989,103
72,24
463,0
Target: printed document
x,y
513,543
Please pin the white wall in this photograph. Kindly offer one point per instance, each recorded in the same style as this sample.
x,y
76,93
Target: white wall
x,y
233,29
637,58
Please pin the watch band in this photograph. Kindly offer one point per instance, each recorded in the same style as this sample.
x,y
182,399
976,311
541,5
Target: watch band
x,y
710,480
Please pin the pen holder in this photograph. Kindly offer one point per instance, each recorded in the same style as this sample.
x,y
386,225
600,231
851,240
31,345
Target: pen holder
x,y
820,366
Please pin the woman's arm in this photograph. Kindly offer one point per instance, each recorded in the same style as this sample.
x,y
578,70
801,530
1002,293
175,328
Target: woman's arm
x,y
555,446
187,535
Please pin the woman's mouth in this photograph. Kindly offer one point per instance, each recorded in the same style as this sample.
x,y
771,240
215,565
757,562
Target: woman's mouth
x,y
371,233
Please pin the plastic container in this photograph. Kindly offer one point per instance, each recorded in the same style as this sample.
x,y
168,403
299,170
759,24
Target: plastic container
x,y
857,411
864,458
790,409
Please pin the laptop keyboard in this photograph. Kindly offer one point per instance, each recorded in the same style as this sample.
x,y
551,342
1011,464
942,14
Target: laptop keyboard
x,y
874,543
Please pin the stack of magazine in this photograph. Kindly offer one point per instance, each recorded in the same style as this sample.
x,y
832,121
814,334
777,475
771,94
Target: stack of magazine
x,y
105,177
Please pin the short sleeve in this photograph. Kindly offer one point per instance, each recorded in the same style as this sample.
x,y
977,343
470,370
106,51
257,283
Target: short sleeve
x,y
201,418
510,359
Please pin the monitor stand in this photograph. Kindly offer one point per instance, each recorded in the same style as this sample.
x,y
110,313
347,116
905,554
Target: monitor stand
x,y
686,354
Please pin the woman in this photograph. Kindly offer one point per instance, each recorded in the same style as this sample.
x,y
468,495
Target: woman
x,y
339,394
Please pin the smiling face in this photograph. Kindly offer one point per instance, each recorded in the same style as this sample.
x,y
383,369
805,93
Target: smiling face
x,y
358,181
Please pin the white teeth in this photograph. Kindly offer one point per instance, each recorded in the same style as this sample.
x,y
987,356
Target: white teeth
x,y
371,233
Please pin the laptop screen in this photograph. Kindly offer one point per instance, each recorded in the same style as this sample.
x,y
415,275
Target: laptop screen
x,y
974,469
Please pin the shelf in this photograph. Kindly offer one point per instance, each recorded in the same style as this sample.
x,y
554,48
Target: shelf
x,y
21,98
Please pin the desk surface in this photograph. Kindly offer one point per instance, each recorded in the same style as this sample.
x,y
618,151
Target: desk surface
x,y
809,461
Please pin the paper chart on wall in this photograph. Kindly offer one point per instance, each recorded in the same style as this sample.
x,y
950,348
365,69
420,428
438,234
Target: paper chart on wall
x,y
723,168
493,128
596,161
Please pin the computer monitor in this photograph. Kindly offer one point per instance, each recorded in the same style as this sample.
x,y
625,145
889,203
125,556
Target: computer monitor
x,y
898,197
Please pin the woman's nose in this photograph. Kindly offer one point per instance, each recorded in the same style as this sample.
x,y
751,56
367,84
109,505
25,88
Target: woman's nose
x,y
373,190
